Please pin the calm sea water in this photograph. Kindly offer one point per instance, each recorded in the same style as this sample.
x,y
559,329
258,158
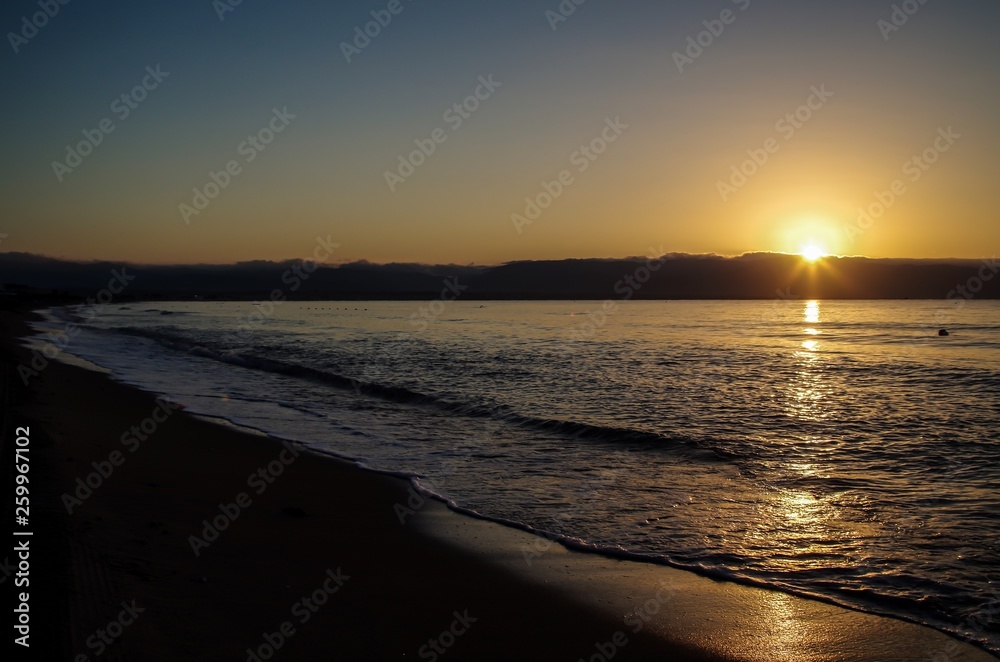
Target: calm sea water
x,y
835,449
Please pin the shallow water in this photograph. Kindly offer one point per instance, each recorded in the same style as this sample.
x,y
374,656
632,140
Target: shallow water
x,y
835,449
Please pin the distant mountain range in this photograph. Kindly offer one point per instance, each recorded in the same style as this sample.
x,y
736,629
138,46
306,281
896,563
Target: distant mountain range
x,y
672,276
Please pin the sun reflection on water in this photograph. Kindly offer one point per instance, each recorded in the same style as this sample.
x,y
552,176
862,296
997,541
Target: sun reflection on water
x,y
812,312
803,517
811,315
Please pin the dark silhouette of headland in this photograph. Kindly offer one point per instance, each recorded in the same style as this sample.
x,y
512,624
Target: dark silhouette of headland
x,y
671,276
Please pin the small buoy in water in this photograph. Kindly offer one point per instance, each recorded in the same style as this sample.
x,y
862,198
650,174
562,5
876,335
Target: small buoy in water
x,y
943,332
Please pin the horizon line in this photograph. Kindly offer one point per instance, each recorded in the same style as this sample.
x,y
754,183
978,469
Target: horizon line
x,y
364,262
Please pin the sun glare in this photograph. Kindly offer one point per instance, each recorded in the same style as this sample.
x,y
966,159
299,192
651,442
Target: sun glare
x,y
812,252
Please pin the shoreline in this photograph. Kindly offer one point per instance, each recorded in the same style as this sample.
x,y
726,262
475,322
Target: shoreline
x,y
409,584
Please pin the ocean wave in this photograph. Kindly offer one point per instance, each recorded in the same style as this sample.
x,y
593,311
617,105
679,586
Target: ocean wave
x,y
687,445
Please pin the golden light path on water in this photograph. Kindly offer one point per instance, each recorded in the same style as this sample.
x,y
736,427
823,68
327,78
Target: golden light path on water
x,y
808,523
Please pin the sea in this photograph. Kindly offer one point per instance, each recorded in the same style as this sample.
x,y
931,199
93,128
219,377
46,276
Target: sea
x,y
841,450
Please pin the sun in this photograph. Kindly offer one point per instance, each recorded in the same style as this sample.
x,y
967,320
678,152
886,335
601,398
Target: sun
x,y
812,252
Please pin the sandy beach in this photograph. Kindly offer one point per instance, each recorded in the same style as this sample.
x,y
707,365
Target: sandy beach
x,y
206,542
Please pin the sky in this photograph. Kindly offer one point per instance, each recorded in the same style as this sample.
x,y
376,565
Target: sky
x,y
249,130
